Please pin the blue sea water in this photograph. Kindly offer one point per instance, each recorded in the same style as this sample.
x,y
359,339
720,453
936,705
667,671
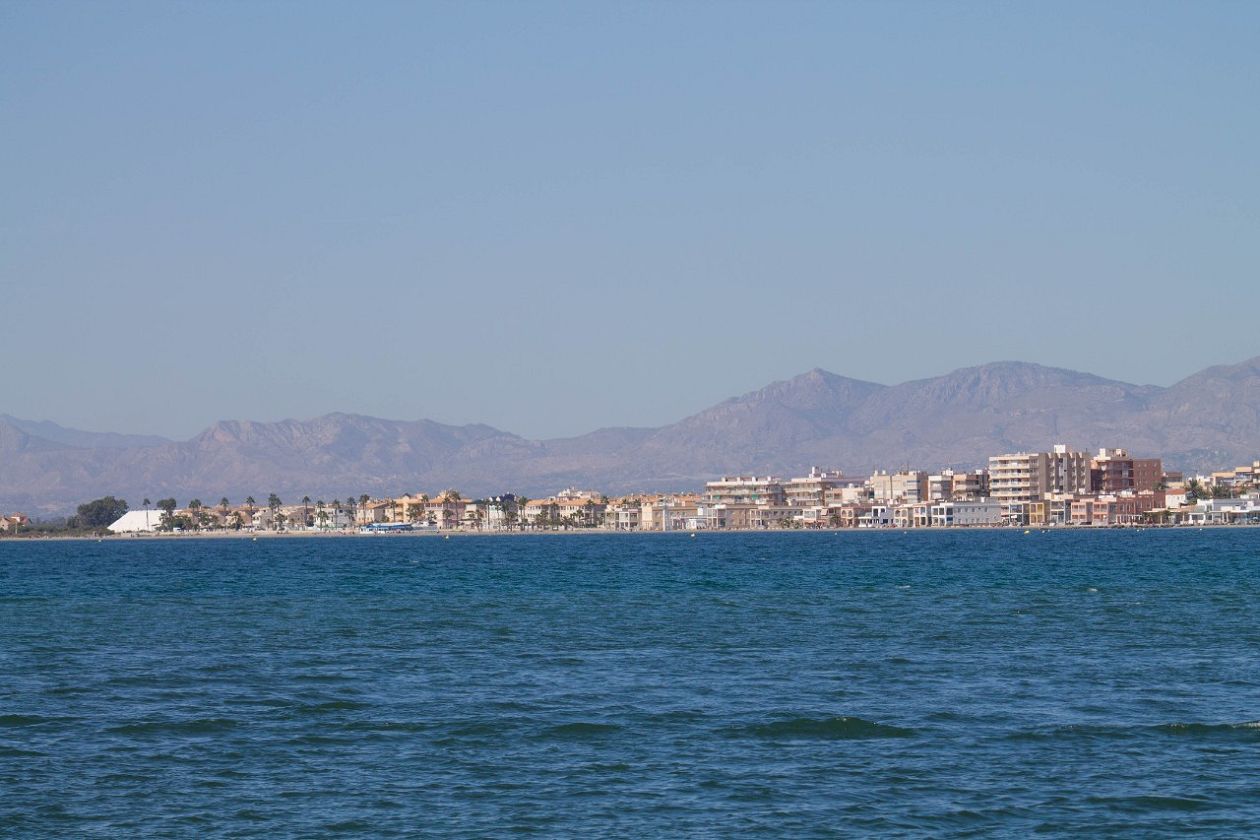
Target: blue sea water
x,y
762,685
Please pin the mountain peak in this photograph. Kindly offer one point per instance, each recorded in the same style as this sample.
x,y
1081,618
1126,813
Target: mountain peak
x,y
816,417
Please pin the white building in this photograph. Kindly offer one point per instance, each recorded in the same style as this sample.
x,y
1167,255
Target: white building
x,y
977,512
137,521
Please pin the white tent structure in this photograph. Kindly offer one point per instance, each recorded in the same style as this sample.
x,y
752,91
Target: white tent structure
x,y
137,521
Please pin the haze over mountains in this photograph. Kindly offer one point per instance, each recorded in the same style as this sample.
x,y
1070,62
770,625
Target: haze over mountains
x,y
1208,420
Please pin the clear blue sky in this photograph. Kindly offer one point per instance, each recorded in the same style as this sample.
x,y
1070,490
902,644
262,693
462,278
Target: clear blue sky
x,y
552,217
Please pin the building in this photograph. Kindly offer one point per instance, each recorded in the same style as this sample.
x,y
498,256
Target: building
x,y
500,513
1019,478
980,512
745,490
970,485
1069,470
905,486
1115,471
811,491
623,515
136,522
668,513
940,486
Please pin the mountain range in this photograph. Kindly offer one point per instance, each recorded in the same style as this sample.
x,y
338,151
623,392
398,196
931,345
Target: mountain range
x,y
1206,421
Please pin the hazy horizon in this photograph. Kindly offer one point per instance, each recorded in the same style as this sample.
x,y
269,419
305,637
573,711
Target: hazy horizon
x,y
559,217
209,423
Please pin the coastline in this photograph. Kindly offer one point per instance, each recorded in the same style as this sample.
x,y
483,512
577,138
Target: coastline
x,y
291,535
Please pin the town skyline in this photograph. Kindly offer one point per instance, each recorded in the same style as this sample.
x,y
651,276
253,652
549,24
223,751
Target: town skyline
x,y
1056,486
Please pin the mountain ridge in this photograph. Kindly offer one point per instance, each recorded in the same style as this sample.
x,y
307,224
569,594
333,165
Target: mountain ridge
x,y
1209,419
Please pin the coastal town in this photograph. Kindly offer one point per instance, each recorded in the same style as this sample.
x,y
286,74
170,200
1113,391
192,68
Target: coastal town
x,y
1059,487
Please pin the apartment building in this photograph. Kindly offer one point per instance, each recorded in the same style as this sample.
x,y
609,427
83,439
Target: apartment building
x,y
1115,471
905,486
811,490
970,485
940,486
1022,477
745,490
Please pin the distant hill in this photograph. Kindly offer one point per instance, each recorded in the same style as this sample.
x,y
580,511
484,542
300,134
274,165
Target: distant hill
x,y
1208,420
51,432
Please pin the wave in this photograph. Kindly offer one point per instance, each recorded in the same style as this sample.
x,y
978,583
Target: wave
x,y
29,720
1251,727
1248,730
580,730
1154,802
198,726
329,706
828,728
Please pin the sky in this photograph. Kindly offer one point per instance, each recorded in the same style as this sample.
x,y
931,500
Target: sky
x,y
552,217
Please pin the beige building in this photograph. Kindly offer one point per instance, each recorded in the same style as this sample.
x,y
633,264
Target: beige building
x,y
905,486
970,485
1022,477
745,490
812,490
668,513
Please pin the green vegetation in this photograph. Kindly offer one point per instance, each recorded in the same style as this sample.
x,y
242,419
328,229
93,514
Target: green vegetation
x,y
100,513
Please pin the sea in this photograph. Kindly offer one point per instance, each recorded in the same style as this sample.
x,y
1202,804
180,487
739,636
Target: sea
x,y
936,684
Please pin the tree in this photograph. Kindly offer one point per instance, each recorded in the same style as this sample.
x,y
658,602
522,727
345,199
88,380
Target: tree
x,y
306,511
99,513
249,503
194,507
273,505
167,506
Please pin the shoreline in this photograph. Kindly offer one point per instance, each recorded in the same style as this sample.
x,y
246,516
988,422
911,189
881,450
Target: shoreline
x,y
291,535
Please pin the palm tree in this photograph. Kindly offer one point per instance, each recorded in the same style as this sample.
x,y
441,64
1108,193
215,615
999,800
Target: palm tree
x,y
306,511
223,509
249,503
194,507
273,504
147,503
521,501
